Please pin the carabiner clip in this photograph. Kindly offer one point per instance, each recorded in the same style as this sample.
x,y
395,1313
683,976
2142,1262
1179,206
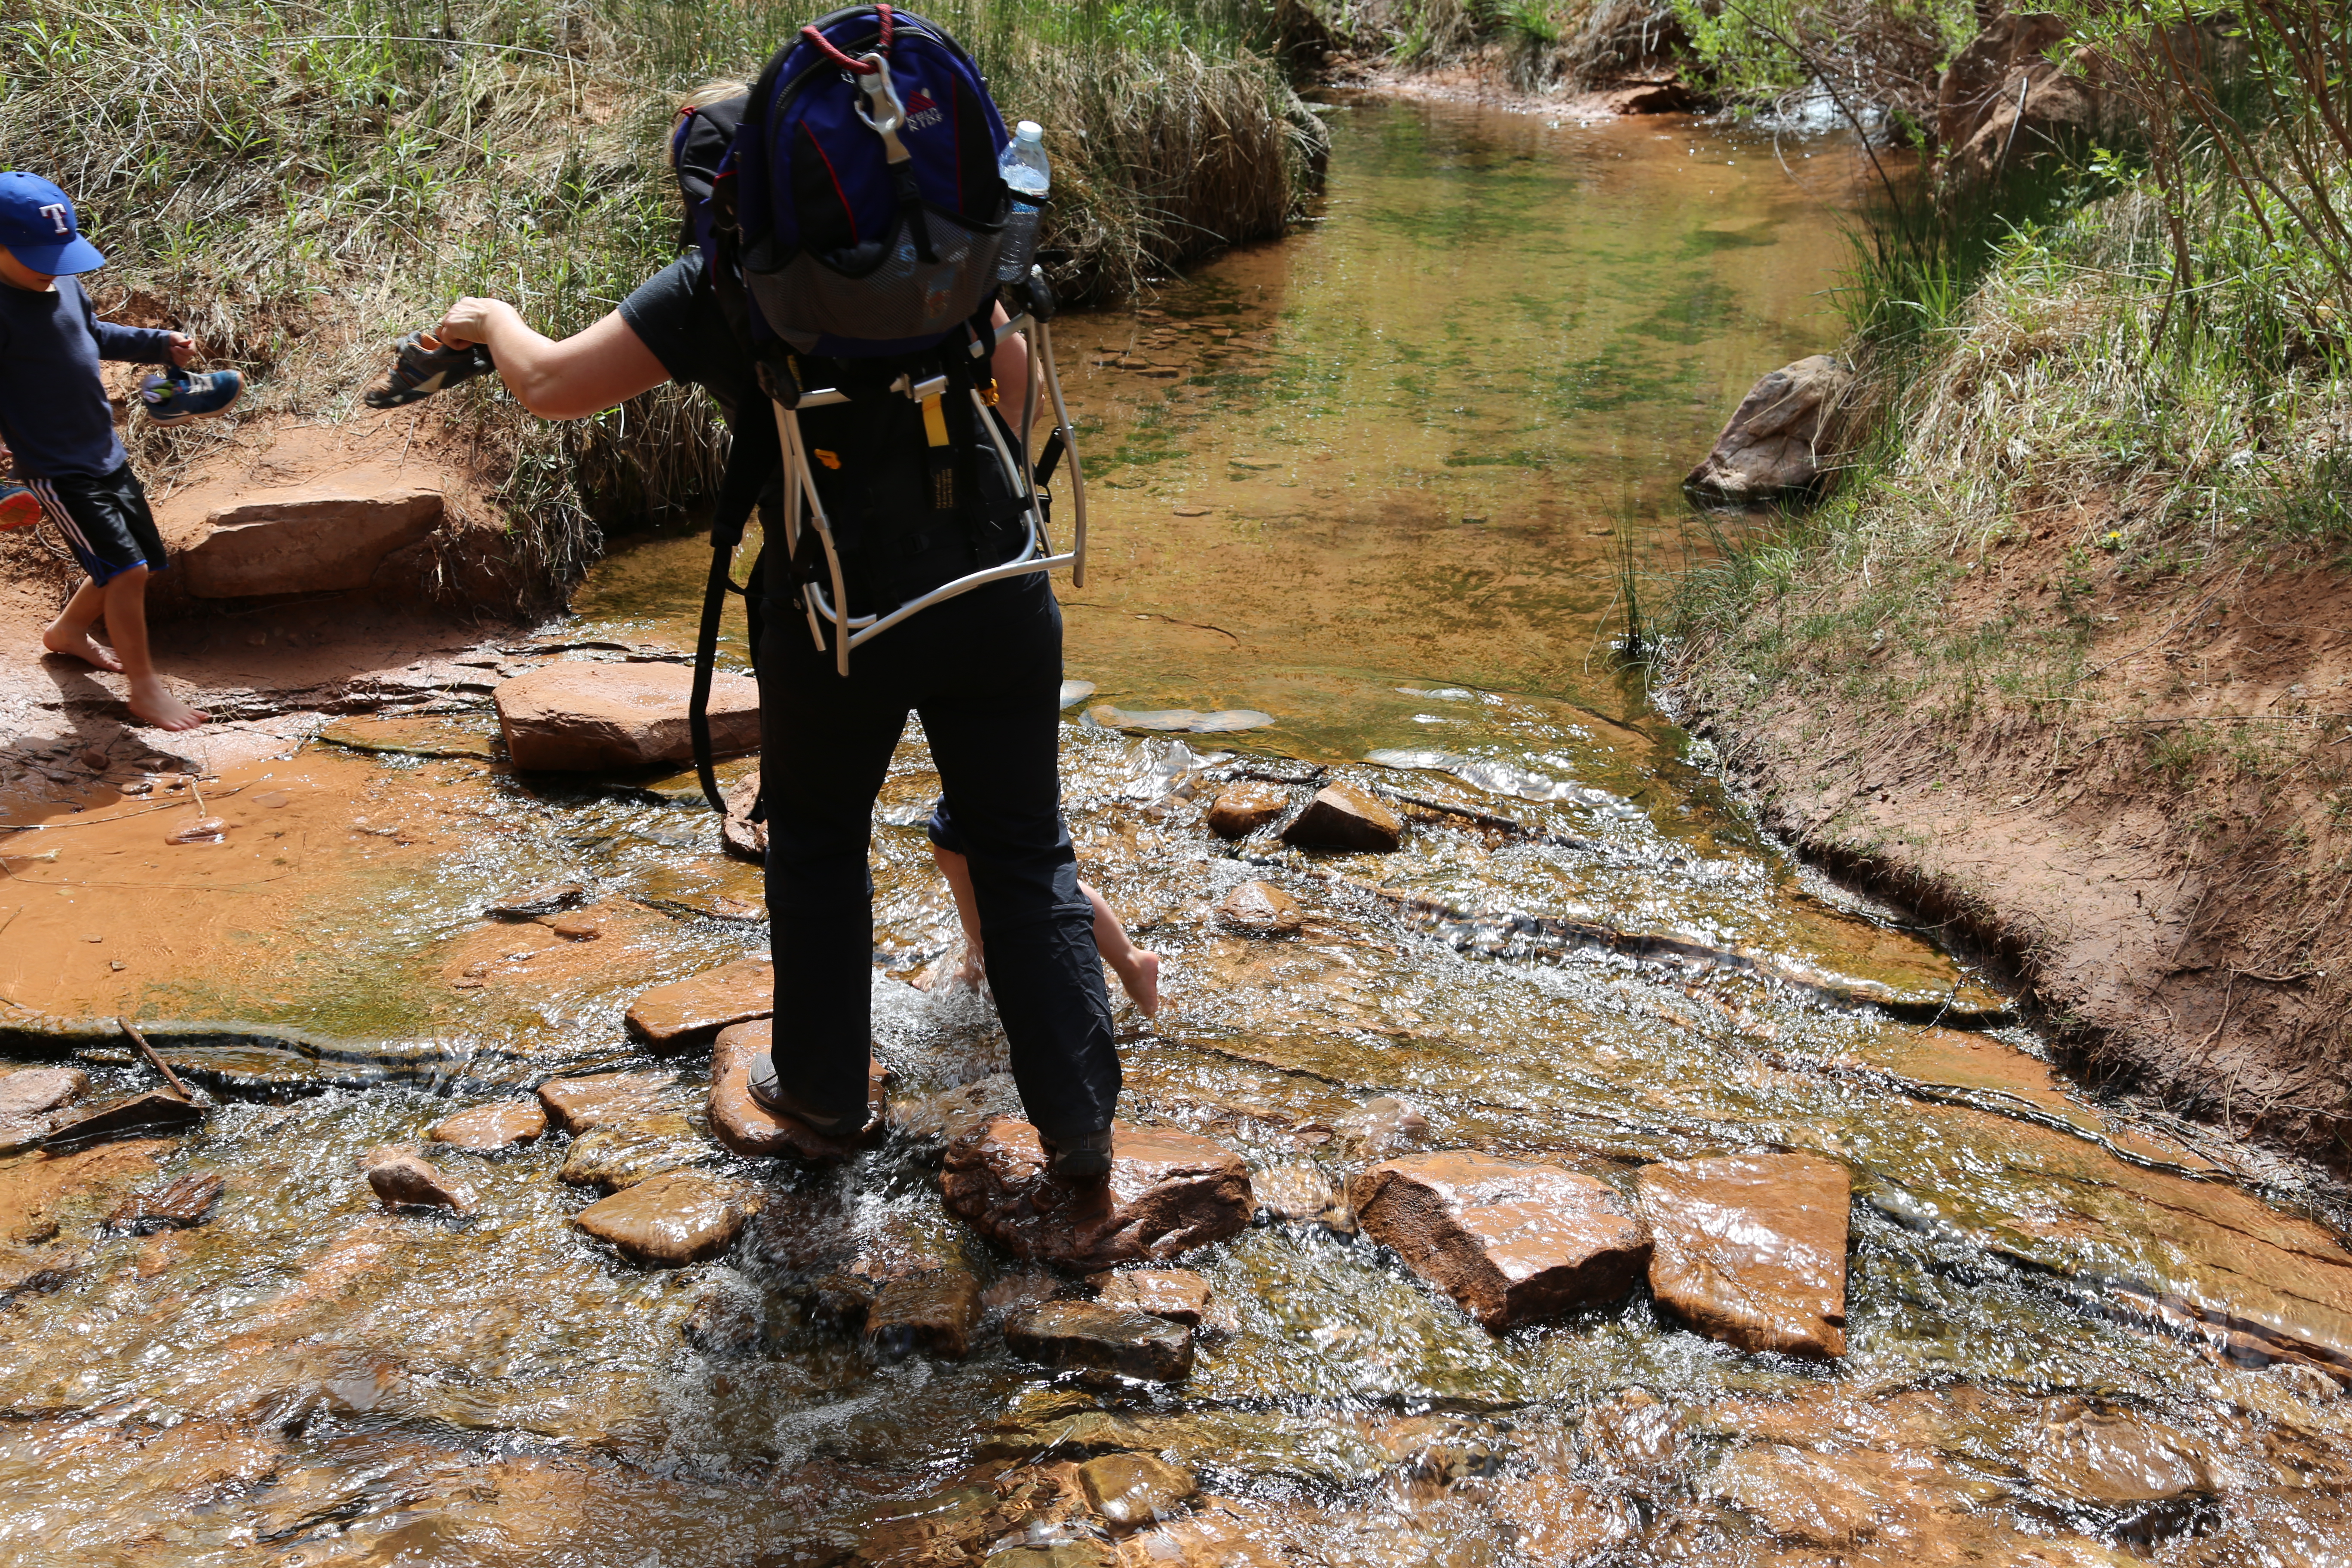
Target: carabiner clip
x,y
882,110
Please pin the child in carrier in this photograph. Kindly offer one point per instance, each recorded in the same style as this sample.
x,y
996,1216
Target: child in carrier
x,y
68,465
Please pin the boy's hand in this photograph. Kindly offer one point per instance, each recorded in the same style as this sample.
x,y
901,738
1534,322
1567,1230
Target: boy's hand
x,y
184,348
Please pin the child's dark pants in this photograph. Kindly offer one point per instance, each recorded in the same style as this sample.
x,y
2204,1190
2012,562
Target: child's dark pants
x,y
984,673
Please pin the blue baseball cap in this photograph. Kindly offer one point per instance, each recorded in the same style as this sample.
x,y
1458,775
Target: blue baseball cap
x,y
36,224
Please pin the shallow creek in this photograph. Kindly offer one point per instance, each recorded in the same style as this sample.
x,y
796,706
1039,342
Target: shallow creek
x,y
1367,483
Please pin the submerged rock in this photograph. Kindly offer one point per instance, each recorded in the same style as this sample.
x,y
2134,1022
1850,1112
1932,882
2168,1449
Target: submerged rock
x,y
689,1013
1168,1192
1260,909
176,1207
668,1221
156,1111
404,1178
1382,1127
1772,446
25,1271
623,1153
933,1312
1751,1248
1177,1294
745,1126
576,1104
2108,1456
1511,1243
1131,1491
487,1129
1101,1339
1343,816
583,717
1302,1194
547,900
34,1092
1241,809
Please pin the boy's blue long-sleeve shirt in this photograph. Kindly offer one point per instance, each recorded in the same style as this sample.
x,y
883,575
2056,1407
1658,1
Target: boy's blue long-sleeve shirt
x,y
53,407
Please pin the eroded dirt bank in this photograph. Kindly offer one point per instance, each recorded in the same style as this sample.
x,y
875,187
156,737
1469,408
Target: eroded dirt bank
x,y
2130,783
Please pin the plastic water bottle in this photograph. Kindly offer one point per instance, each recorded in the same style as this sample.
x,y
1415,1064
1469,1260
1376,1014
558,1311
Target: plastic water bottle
x,y
1024,164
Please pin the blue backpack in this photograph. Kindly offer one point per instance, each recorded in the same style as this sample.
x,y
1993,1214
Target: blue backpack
x,y
859,237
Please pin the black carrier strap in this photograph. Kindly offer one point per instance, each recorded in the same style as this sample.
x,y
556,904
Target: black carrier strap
x,y
756,455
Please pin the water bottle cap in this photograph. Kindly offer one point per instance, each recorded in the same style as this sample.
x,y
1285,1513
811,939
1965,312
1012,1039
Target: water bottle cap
x,y
1029,131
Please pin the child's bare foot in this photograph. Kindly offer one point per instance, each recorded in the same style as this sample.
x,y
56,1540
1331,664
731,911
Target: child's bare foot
x,y
81,646
152,703
1139,972
970,971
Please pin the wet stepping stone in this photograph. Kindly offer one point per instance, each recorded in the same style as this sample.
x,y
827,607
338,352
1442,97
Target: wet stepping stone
x,y
576,1104
404,1179
34,1091
1177,1294
1131,1491
690,1013
579,716
1260,909
743,1125
1101,1339
487,1129
1512,1243
176,1207
1180,720
933,1312
1343,816
623,1153
1168,1192
1751,1248
670,1220
1241,810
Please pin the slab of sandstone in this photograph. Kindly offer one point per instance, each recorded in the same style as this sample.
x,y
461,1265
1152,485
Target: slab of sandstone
x,y
1177,1294
581,716
933,1312
1168,1192
668,1221
1511,1242
623,1153
576,1104
743,1125
1241,810
1131,1491
1260,909
33,1091
688,1013
486,1129
177,1206
1101,1339
1775,440
327,536
153,1114
1343,816
1751,1248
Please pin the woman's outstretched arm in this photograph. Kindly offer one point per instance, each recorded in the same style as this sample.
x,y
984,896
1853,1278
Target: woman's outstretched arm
x,y
584,373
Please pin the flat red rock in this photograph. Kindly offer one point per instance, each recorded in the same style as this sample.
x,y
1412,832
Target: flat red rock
x,y
689,1013
1177,1294
487,1129
1751,1248
576,1104
1511,1242
739,1121
1168,1192
668,1221
579,716
1241,810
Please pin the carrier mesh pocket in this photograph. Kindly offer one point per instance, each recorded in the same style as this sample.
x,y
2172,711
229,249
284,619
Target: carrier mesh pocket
x,y
903,297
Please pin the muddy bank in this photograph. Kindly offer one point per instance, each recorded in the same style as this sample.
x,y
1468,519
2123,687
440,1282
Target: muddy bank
x,y
2132,797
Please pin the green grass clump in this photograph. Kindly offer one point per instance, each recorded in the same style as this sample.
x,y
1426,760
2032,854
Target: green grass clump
x,y
298,183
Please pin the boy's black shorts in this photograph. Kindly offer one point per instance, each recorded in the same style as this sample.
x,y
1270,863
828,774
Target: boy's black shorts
x,y
105,519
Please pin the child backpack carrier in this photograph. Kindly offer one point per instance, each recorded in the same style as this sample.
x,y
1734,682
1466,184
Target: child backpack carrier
x,y
859,237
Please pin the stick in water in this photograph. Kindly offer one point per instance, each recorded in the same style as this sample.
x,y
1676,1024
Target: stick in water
x,y
161,1066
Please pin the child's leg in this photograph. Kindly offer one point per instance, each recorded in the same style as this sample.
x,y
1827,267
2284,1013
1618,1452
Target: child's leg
x,y
958,871
1138,970
69,632
152,701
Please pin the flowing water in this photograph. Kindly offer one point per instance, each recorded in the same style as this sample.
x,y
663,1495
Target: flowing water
x,y
1368,493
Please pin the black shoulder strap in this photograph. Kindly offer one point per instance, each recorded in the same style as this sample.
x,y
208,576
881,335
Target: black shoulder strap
x,y
756,454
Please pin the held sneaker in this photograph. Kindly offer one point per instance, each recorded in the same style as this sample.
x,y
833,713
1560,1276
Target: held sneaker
x,y
19,507
424,364
177,396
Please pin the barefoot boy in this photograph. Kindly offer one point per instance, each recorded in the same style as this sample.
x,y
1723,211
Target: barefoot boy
x,y
54,414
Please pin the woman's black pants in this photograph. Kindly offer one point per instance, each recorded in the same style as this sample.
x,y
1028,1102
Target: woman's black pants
x,y
984,673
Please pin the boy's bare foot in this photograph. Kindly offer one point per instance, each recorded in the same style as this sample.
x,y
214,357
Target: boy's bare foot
x,y
1139,973
971,970
152,703
83,646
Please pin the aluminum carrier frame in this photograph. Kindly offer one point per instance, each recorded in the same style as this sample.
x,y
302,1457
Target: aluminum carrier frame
x,y
804,507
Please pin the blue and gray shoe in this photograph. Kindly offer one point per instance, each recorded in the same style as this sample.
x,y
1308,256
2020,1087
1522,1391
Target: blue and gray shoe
x,y
177,396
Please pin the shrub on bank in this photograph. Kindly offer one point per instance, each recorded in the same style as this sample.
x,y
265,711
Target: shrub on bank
x,y
298,183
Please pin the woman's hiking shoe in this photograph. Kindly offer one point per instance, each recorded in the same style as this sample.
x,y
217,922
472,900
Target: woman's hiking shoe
x,y
424,365
770,1097
19,507
177,396
1085,1158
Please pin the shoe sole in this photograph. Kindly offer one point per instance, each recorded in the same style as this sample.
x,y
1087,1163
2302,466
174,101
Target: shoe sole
x,y
23,511
169,420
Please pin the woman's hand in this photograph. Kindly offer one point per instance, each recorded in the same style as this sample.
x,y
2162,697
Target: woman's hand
x,y
468,321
